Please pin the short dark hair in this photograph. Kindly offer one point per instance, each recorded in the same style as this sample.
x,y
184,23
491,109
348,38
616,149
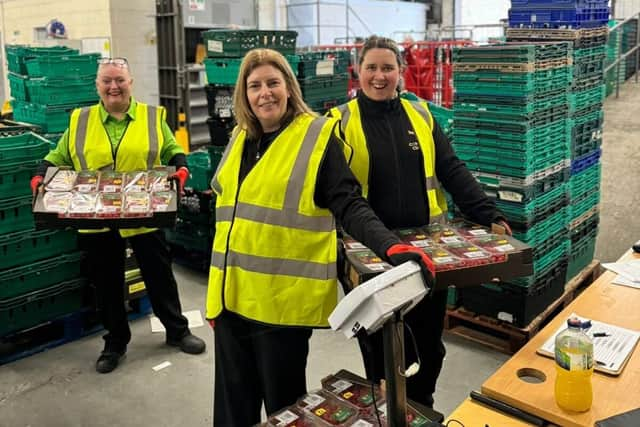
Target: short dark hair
x,y
381,43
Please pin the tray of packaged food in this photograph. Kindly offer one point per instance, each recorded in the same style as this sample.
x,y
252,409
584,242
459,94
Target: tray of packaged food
x,y
98,199
464,254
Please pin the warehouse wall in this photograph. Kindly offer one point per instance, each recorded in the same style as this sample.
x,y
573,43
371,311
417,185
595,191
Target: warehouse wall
x,y
133,36
476,12
385,18
81,18
626,8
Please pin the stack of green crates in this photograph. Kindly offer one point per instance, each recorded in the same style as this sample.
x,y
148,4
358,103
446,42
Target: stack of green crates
x,y
511,127
590,53
39,270
48,83
323,78
226,48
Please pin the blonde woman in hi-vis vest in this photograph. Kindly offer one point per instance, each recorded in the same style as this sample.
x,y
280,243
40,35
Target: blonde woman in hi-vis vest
x,y
282,183
401,158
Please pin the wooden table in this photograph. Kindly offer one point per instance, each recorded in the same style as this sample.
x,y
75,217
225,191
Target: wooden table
x,y
617,305
473,414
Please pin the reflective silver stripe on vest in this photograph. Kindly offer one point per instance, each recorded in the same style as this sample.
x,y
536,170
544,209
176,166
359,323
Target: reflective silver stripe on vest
x,y
286,218
214,181
152,122
345,112
224,213
423,112
298,174
81,136
276,266
432,183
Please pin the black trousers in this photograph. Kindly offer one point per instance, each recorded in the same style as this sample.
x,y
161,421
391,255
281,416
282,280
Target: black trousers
x,y
105,262
426,321
256,363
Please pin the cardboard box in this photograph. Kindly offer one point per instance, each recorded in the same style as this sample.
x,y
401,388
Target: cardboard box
x,y
465,255
87,215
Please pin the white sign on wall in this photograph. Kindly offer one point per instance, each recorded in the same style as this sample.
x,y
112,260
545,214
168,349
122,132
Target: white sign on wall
x,y
196,5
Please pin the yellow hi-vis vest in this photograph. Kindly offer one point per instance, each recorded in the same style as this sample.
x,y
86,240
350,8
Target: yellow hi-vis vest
x,y
139,148
274,251
358,152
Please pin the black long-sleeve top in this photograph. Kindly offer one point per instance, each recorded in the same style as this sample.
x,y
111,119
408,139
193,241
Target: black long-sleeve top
x,y
337,189
397,187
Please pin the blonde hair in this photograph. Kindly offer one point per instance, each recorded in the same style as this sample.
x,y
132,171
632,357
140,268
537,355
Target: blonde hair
x,y
245,117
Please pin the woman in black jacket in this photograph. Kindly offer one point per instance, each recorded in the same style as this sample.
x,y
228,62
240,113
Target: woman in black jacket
x,y
401,158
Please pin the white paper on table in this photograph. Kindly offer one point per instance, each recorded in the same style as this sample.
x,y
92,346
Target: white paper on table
x,y
194,317
629,269
624,281
610,353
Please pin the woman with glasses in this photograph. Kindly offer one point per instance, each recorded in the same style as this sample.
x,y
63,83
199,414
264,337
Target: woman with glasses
x,y
281,185
400,156
122,134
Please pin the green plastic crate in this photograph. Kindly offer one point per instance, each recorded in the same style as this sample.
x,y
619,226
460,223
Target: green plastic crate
x,y
15,177
215,155
40,306
324,63
200,169
39,275
18,87
224,71
52,119
316,89
17,55
238,42
15,214
24,147
57,91
29,246
63,66
581,254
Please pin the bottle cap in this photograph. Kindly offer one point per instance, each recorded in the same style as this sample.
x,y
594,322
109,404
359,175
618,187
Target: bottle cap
x,y
586,324
574,322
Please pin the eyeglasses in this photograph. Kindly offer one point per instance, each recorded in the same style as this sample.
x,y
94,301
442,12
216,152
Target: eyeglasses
x,y
118,62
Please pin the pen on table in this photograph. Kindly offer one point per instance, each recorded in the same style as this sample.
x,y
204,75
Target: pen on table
x,y
600,334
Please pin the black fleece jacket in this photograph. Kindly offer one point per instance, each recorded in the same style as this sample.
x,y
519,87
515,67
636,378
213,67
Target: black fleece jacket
x,y
397,188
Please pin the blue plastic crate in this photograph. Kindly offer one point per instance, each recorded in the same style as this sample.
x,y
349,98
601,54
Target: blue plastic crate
x,y
533,4
558,18
586,161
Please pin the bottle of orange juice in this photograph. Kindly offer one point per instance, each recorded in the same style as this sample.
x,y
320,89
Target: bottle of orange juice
x,y
574,367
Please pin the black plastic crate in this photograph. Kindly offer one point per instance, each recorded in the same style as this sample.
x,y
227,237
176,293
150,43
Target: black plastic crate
x,y
220,130
515,304
220,101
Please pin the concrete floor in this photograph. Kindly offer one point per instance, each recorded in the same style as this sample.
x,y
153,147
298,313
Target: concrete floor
x,y
60,388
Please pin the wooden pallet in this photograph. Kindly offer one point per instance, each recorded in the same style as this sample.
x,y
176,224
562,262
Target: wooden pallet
x,y
505,337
